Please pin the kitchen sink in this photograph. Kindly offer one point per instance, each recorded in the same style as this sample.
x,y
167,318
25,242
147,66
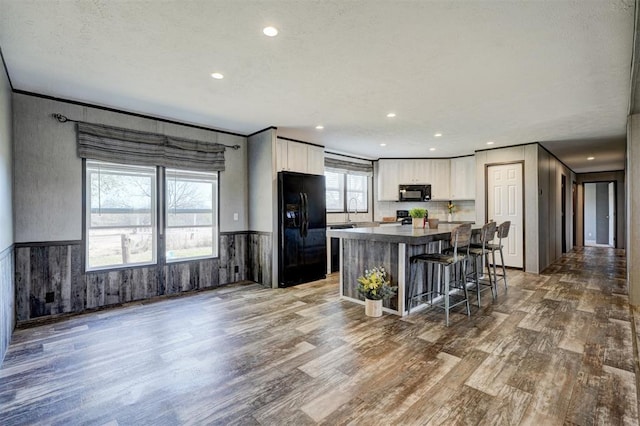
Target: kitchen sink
x,y
343,226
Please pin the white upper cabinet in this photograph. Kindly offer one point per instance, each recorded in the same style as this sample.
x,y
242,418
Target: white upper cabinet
x,y
315,160
299,157
388,180
392,173
463,178
438,172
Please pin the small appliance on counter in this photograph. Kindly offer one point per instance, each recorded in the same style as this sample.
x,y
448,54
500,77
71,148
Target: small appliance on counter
x,y
403,217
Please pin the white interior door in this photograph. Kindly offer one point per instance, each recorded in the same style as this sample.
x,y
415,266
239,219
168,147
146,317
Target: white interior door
x,y
504,184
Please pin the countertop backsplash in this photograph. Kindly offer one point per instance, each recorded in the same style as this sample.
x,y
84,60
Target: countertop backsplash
x,y
463,211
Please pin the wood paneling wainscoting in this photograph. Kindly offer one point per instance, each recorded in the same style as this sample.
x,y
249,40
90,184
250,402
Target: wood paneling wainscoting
x,y
260,256
49,278
7,291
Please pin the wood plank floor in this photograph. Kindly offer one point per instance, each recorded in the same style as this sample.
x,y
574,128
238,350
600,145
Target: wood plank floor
x,y
556,348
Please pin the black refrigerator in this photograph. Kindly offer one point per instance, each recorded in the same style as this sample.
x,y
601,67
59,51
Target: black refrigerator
x,y
302,221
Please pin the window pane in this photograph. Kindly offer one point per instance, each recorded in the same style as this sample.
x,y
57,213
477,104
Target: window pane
x,y
334,183
191,215
120,214
357,188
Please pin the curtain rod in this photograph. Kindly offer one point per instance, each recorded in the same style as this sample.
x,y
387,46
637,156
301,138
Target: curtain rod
x,y
63,119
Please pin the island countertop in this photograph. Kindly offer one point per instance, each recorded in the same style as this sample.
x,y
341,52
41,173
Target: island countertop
x,y
396,234
390,247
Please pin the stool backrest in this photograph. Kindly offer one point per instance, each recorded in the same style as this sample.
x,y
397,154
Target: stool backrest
x,y
461,237
487,232
503,229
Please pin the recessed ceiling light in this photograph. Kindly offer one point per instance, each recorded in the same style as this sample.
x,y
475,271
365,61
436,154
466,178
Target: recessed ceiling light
x,y
319,127
391,114
270,31
490,143
437,135
590,158
432,149
383,144
217,76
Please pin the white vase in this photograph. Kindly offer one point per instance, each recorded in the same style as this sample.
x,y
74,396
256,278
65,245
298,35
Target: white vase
x,y
417,222
449,217
373,308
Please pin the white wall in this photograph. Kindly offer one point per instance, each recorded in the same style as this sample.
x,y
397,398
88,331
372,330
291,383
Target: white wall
x,y
6,164
48,173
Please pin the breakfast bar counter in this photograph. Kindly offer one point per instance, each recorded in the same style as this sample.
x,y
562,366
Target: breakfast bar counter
x,y
390,247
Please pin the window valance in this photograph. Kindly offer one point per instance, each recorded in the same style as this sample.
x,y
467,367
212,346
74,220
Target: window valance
x,y
335,164
117,145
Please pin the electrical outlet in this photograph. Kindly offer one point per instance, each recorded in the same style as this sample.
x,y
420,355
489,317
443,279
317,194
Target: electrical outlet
x,y
236,217
49,297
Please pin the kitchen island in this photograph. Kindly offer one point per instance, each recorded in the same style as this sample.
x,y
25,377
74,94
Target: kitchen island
x,y
390,247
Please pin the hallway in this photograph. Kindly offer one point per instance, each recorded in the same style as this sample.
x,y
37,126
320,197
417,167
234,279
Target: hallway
x,y
557,348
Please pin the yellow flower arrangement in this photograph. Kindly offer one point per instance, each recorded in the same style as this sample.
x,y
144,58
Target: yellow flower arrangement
x,y
451,207
374,284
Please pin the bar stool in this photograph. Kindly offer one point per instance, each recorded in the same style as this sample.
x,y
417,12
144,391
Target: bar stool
x,y
503,232
480,252
439,294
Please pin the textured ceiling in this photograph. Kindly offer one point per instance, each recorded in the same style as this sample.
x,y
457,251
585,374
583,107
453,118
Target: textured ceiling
x,y
512,72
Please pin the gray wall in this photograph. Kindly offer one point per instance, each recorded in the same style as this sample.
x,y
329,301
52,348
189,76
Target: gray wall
x,y
6,164
261,180
528,154
550,201
633,208
48,173
49,279
7,290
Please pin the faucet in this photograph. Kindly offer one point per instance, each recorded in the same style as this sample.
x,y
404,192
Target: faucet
x,y
355,210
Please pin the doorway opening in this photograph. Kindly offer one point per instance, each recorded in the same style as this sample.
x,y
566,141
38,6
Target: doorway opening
x,y
599,214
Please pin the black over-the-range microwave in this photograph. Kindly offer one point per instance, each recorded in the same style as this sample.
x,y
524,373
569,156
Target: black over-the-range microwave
x,y
415,193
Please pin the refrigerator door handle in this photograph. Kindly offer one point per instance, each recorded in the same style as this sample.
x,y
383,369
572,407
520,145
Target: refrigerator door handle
x,y
302,214
305,215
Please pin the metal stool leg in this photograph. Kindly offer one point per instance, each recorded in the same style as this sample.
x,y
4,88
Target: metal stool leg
x,y
504,270
445,271
476,277
463,279
491,279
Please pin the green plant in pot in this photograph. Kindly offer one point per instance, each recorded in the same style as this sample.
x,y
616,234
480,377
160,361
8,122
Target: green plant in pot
x,y
419,216
375,286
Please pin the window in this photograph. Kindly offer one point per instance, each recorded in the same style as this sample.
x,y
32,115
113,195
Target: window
x,y
345,190
334,186
357,189
191,209
120,215
122,207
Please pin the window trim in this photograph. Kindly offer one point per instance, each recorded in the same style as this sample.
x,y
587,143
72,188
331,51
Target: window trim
x,y
215,211
159,213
